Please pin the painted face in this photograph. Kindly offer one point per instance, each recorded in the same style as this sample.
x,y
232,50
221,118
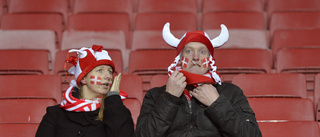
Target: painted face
x,y
195,58
99,80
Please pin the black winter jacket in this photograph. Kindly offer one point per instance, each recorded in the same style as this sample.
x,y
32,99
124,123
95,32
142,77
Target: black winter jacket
x,y
164,115
58,122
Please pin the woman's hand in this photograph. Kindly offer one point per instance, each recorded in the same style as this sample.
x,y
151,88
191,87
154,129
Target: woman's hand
x,y
116,83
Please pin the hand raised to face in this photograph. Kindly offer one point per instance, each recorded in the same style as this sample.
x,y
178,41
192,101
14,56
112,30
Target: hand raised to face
x,y
176,83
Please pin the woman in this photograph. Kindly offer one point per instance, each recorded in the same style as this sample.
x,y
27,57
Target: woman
x,y
91,91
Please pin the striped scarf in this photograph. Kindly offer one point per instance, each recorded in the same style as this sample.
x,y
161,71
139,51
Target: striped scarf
x,y
74,104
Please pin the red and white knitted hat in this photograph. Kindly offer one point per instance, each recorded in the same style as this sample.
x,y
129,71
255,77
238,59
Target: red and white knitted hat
x,y
88,59
195,36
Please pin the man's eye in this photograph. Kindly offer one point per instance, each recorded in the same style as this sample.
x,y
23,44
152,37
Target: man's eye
x,y
202,52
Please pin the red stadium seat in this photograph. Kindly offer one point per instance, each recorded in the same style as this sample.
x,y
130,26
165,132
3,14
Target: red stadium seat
x,y
23,110
132,85
289,129
232,6
134,106
147,63
230,62
30,40
30,86
24,62
152,39
156,21
18,130
302,20
304,38
158,80
302,60
272,85
317,96
39,6
34,21
243,38
103,6
115,40
175,6
282,109
233,20
292,6
61,56
100,22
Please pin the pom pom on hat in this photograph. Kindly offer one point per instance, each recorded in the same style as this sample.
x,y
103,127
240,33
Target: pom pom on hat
x,y
88,59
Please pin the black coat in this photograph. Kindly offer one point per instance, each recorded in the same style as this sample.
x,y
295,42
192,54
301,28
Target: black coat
x,y
58,122
164,115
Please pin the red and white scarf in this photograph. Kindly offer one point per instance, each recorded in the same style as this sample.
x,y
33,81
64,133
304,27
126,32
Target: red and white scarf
x,y
74,104
195,79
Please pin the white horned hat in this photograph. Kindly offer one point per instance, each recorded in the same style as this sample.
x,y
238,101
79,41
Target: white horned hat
x,y
88,59
196,36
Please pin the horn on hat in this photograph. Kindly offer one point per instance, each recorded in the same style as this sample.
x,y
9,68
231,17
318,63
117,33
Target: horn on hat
x,y
168,37
222,38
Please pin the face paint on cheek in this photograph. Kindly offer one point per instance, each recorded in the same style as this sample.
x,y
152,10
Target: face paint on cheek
x,y
184,62
205,62
96,80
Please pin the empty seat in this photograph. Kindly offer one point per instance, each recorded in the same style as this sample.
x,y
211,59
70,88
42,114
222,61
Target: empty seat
x,y
300,60
304,38
132,85
152,39
289,129
29,40
230,62
24,62
292,6
99,22
134,106
243,38
103,6
282,109
272,85
158,80
317,96
232,6
34,21
61,56
233,20
150,62
156,21
30,86
302,20
23,110
168,6
39,6
115,40
18,130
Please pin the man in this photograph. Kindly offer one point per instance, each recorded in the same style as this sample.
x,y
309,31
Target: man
x,y
194,102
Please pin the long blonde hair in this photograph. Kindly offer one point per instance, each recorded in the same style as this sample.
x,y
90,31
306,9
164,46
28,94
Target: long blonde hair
x,y
100,115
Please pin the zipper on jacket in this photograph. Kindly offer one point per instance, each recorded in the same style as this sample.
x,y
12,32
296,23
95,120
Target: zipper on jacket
x,y
190,114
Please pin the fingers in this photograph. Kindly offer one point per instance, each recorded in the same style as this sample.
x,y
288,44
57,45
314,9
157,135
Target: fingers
x,y
116,83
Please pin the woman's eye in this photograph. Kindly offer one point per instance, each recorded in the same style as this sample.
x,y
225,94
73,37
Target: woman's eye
x,y
202,52
99,70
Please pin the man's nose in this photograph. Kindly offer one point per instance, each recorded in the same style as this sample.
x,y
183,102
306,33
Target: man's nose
x,y
195,56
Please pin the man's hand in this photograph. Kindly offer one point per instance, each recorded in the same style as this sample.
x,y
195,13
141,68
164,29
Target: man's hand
x,y
205,93
176,84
